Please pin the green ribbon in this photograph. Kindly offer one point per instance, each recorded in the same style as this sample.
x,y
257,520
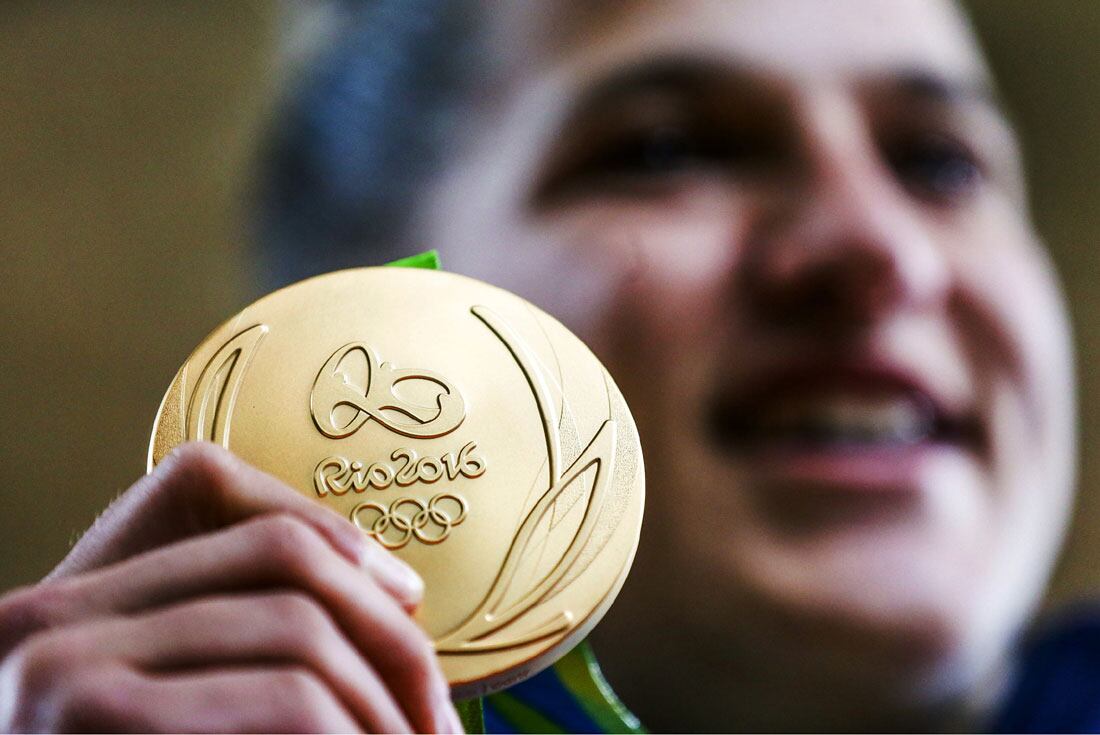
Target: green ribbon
x,y
428,259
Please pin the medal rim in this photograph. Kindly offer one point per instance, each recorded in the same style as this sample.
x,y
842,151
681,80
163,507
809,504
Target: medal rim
x,y
504,676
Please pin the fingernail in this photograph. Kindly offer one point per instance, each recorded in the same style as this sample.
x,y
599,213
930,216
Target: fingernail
x,y
396,575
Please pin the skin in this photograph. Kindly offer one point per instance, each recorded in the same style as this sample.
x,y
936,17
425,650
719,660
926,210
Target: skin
x,y
312,619
821,207
754,208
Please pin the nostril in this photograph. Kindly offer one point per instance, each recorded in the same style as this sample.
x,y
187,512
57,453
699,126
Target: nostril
x,y
871,285
837,292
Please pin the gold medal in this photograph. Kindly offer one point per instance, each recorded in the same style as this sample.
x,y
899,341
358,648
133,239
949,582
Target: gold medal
x,y
464,429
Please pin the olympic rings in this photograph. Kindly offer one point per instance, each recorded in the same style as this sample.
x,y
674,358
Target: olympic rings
x,y
407,517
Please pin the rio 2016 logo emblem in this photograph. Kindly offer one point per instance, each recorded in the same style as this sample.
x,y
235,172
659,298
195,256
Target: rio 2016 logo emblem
x,y
332,392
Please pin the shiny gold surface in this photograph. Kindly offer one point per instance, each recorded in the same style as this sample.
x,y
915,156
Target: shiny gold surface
x,y
463,428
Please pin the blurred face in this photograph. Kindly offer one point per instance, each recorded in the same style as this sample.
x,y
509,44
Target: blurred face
x,y
795,232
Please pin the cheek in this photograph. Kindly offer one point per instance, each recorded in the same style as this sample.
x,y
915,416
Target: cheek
x,y
1013,322
670,261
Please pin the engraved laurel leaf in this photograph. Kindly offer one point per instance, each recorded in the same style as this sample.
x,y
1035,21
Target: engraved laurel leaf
x,y
210,411
493,615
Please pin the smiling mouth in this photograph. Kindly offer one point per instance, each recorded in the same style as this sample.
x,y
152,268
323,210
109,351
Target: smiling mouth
x,y
837,412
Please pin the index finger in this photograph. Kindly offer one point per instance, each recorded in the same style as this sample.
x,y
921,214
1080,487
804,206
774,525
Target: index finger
x,y
197,488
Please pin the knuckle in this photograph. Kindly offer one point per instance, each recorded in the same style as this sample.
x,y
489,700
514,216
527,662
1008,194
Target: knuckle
x,y
418,665
100,701
18,609
300,617
293,608
40,667
299,688
196,468
43,656
308,705
30,609
311,717
200,456
287,542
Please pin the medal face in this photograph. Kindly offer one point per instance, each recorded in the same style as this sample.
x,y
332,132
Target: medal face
x,y
464,429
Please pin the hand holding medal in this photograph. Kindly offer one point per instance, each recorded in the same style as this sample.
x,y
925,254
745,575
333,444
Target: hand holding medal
x,y
463,429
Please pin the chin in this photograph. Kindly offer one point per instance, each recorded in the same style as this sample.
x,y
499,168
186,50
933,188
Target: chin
x,y
883,608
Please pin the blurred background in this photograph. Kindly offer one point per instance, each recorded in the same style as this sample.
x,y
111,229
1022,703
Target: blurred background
x,y
127,137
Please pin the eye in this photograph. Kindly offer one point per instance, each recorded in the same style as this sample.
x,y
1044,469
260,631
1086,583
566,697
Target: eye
x,y
661,150
637,161
936,167
656,155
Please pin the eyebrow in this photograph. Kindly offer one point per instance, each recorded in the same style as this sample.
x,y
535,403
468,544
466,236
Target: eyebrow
x,y
675,73
929,86
661,73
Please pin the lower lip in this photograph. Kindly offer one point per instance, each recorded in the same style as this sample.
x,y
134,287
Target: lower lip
x,y
878,469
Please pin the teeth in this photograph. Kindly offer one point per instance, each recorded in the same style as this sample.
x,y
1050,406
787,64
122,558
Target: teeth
x,y
847,420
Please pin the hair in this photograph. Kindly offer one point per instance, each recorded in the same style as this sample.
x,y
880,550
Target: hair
x,y
361,132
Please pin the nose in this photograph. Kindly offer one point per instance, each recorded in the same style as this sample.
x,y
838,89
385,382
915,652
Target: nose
x,y
846,249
